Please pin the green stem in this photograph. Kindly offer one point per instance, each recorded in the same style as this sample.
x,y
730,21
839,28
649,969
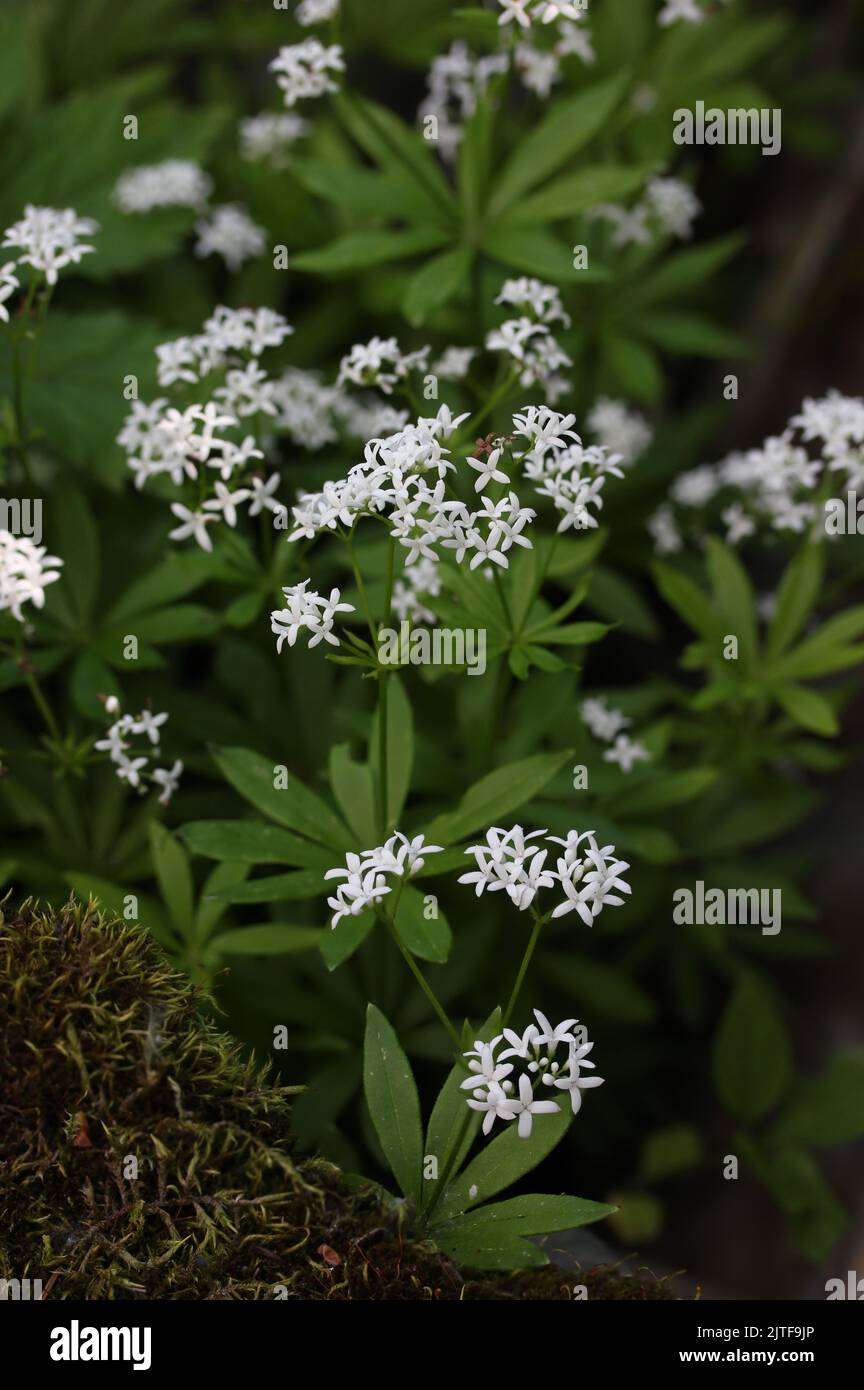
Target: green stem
x,y
424,984
496,574
383,700
523,969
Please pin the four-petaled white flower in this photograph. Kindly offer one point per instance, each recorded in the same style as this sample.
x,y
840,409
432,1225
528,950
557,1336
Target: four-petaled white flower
x,y
192,524
307,610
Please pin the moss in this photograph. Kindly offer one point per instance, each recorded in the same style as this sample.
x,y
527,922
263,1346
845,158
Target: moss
x,y
142,1156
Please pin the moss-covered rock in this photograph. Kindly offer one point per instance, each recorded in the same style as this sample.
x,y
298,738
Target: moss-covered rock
x,y
142,1156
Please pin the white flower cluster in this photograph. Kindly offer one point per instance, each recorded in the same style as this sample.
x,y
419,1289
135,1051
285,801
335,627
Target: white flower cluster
x,y
175,183
422,579
304,70
393,481
26,570
135,769
562,469
380,362
525,12
49,239
457,79
366,874
307,610
775,484
536,354
668,207
206,447
590,877
225,230
228,231
500,1095
316,11
454,364
688,11
620,430
270,135
607,724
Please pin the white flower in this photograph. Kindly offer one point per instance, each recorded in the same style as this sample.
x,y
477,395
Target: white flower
x,y
48,239
626,753
26,570
454,364
228,231
515,11
270,135
488,470
550,10
399,853
509,862
550,1035
317,11
573,1081
738,523
666,536
527,1107
528,294
673,10
674,204
175,183
262,495
359,891
307,611
148,724
129,770
303,70
590,882
227,502
8,285
169,780
191,524
620,430
366,874
603,722
497,1105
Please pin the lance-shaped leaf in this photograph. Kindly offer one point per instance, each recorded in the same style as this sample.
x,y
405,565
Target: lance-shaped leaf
x,y
391,1095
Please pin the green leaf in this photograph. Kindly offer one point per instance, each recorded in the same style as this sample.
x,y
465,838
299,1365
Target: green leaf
x,y
537,252
575,193
338,944
678,331
482,1238
174,876
179,574
830,1108
682,272
209,913
430,939
253,842
275,888
291,804
359,250
568,127
453,1125
78,544
391,1095
400,748
688,601
751,1053
797,596
268,940
354,790
496,795
503,1162
658,793
76,397
733,594
809,709
633,366
618,600
393,143
435,283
